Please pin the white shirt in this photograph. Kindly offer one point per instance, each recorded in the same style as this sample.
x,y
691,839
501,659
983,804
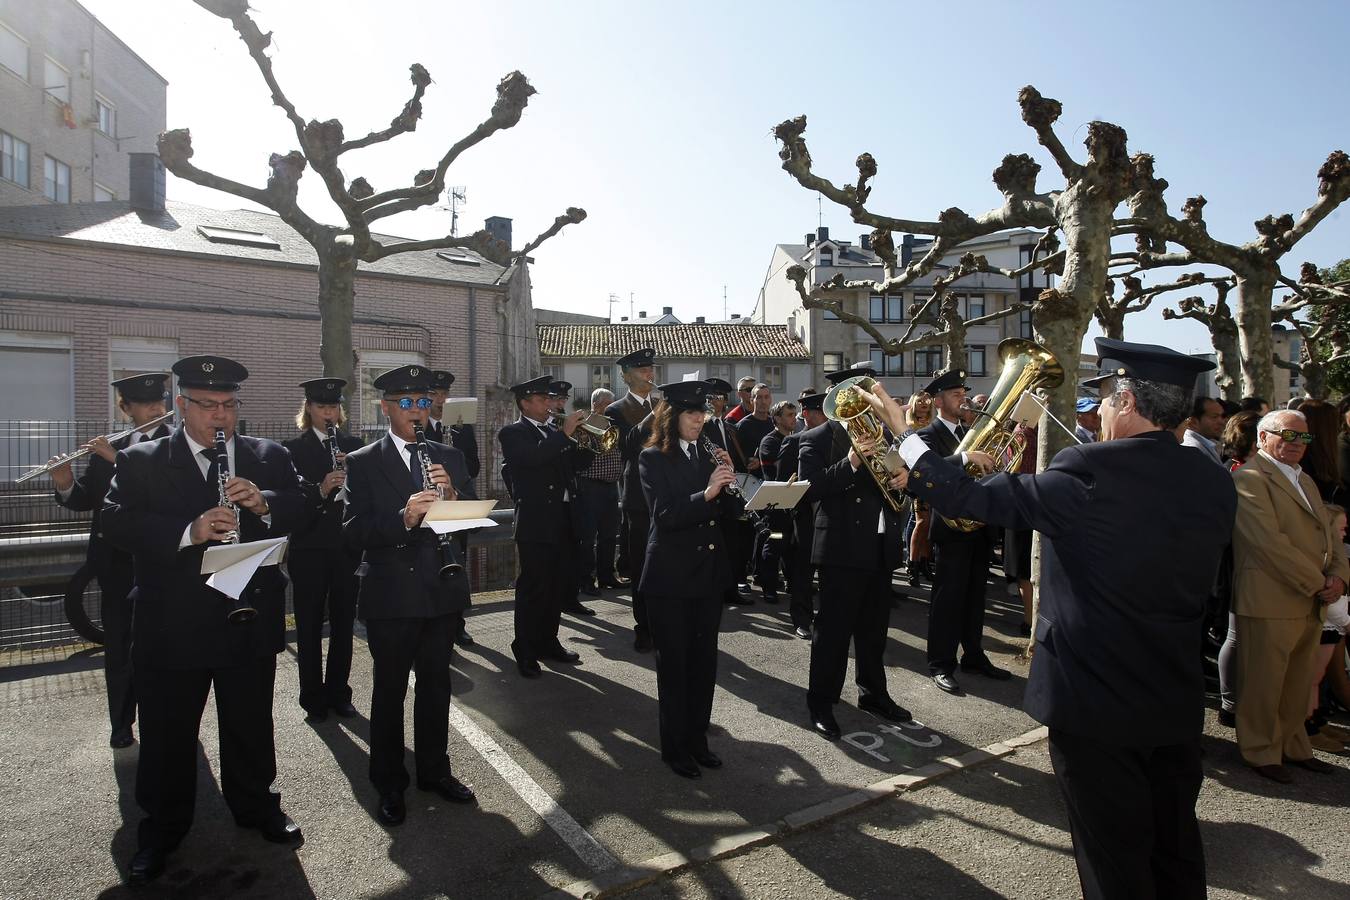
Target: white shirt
x,y
402,447
685,445
321,435
204,466
1292,473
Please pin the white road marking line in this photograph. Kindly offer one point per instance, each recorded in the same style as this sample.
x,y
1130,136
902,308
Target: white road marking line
x,y
573,835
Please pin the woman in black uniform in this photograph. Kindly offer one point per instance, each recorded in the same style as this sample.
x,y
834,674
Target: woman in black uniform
x,y
686,570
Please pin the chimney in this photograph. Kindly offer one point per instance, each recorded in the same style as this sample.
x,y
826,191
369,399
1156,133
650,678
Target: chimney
x,y
623,318
642,314
500,228
791,327
700,320
147,182
865,241
667,310
822,234
735,316
906,249
810,238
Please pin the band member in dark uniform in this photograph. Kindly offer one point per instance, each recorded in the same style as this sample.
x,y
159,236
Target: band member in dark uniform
x,y
463,439
739,537
856,546
141,399
685,573
1116,672
798,555
956,615
408,603
322,566
558,392
628,413
768,551
539,459
164,508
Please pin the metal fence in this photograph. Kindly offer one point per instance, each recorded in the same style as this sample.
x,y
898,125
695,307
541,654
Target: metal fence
x,y
43,544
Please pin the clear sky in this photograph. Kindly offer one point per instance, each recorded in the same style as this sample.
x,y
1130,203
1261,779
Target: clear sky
x,y
656,117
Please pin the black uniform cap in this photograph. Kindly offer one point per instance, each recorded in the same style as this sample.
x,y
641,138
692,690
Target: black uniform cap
x,y
1148,362
851,372
324,390
684,395
441,379
143,388
644,357
559,388
945,382
212,373
813,401
404,380
533,386
719,387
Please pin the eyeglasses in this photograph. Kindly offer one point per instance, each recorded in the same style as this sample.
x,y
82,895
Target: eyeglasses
x,y
213,405
1289,436
409,403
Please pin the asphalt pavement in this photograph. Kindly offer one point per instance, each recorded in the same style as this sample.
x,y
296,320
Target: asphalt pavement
x,y
573,796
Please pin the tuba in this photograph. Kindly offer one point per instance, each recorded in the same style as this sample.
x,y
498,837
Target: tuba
x,y
1026,366
845,403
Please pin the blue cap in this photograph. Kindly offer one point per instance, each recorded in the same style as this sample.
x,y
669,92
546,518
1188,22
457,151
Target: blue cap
x,y
1087,404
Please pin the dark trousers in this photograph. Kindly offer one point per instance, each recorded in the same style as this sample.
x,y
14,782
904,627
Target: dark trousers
x,y
171,705
639,523
799,568
855,605
769,553
1132,817
599,531
956,614
457,618
323,580
115,581
398,646
541,591
684,634
621,560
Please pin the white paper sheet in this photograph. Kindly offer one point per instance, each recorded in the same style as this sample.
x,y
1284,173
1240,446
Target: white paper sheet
x,y
231,566
448,516
693,376
778,494
460,411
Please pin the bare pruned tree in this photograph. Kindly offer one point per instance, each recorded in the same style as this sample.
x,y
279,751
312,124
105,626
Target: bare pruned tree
x,y
1223,333
340,249
1134,298
1311,311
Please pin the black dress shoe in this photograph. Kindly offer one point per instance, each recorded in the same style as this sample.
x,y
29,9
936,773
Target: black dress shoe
x,y
591,590
121,740
562,655
1312,764
464,639
1228,718
392,810
824,723
987,669
770,597
577,609
613,583
345,709
884,707
315,716
1024,629
146,865
684,767
707,759
1278,774
802,632
642,642
528,668
450,788
281,829
947,682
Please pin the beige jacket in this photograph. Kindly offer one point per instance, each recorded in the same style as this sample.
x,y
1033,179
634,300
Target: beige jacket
x,y
1282,551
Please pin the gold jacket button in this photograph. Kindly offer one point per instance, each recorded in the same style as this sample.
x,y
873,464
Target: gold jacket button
x,y
928,484
712,546
857,499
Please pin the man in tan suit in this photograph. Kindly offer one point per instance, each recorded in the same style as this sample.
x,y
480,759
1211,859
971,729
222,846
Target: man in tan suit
x,y
1287,562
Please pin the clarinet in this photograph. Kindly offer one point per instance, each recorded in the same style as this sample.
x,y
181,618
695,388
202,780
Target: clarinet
x,y
240,610
733,490
338,464
444,542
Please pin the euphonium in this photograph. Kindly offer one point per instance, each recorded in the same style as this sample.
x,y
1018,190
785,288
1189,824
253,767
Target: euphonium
x,y
1026,366
845,403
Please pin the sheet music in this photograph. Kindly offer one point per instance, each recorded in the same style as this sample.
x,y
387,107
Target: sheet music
x,y
449,516
460,411
777,495
232,566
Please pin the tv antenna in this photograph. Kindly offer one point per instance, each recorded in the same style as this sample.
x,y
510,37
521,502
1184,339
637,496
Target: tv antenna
x,y
456,198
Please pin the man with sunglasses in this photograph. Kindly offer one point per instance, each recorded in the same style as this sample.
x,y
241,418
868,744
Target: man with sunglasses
x,y
1287,564
409,608
163,507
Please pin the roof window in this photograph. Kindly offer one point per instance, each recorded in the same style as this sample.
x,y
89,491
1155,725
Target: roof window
x,y
237,237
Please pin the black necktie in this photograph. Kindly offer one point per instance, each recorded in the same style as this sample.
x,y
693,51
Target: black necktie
x,y
693,455
213,461
415,470
960,431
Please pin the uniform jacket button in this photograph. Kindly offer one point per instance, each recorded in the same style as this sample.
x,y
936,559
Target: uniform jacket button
x,y
712,546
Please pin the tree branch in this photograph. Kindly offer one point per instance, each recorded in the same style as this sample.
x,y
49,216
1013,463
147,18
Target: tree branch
x,y
405,121
1041,113
574,216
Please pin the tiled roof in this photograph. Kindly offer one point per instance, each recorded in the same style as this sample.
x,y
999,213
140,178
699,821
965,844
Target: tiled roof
x,y
175,230
671,341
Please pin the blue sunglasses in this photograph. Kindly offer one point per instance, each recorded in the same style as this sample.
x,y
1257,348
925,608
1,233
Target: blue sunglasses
x,y
409,403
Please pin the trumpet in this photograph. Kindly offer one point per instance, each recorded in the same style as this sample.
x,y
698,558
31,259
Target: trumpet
x,y
85,451
598,433
444,542
240,610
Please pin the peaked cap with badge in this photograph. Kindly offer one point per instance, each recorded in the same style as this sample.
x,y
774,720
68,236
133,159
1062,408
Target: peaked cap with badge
x,y
637,359
144,388
324,390
210,373
405,380
1147,362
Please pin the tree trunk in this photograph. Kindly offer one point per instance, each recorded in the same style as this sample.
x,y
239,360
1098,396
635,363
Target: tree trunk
x,y
1314,380
1229,360
1253,320
1113,324
337,300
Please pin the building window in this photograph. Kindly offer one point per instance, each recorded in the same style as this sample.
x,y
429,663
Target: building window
x,y
830,316
39,391
56,80
55,180
895,308
132,356
1024,327
876,308
974,306
102,194
13,51
372,364
722,371
927,361
886,364
832,362
773,377
13,159
825,256
554,372
975,360
107,116
602,376
659,374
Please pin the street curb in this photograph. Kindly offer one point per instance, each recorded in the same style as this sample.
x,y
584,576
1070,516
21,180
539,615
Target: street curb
x,y
628,878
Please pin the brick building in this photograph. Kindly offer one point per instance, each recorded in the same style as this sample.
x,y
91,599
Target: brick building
x,y
75,101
